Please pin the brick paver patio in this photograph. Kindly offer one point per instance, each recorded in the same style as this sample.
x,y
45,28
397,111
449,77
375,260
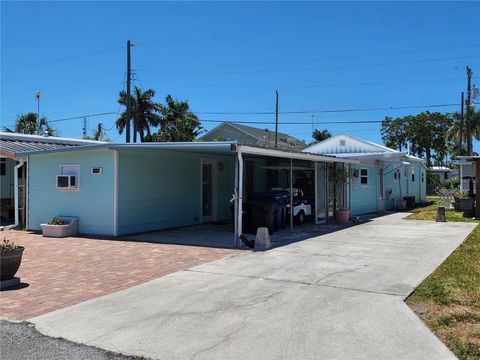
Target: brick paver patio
x,y
56,273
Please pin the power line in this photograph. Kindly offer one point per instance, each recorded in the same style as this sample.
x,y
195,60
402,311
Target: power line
x,y
169,72
333,57
327,111
56,61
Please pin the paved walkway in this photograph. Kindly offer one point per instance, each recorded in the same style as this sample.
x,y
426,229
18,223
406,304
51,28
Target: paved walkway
x,y
336,296
56,273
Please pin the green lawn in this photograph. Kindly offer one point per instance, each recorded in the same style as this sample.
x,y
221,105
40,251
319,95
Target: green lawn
x,y
448,301
429,212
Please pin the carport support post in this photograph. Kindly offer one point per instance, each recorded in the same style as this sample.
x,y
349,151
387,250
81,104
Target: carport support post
x,y
235,206
291,195
239,198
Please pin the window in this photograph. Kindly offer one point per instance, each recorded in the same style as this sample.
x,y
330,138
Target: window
x,y
364,176
413,173
73,170
3,166
423,177
397,174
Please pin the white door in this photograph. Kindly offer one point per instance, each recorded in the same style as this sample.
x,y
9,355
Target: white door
x,y
208,190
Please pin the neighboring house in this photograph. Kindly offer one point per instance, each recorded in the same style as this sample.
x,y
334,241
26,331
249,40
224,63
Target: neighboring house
x,y
383,176
13,169
248,135
123,189
442,173
467,172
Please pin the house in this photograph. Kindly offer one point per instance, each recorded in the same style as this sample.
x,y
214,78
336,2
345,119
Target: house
x,y
467,173
248,135
382,179
13,169
120,189
441,173
470,171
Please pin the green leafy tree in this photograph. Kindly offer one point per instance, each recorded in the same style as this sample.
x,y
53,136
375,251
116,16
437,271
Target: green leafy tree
x,y
144,113
456,132
394,133
320,135
28,124
177,122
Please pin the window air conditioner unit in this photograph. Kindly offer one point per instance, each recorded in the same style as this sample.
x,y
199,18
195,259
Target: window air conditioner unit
x,y
66,182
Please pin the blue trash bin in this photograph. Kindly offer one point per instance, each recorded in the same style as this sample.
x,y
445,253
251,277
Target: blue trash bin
x,y
273,204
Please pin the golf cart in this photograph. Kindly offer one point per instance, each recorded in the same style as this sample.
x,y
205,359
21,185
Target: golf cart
x,y
301,206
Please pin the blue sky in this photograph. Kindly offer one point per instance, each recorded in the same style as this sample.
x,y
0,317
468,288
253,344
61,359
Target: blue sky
x,y
232,56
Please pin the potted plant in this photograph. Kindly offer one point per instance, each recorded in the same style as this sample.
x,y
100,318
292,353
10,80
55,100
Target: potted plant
x,y
10,259
60,226
340,177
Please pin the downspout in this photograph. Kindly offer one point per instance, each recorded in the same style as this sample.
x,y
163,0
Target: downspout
x,y
240,197
235,206
291,195
115,192
316,191
15,186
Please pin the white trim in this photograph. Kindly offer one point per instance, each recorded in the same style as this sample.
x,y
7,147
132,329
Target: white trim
x,y
214,175
15,189
27,195
115,193
291,155
240,198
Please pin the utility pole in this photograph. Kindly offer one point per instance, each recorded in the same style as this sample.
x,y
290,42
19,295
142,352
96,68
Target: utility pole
x,y
467,122
98,135
84,126
460,138
127,125
276,118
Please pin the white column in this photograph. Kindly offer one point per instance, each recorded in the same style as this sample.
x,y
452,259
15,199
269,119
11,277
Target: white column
x,y
15,187
235,206
291,195
240,198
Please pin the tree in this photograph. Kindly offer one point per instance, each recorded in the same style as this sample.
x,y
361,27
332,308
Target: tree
x,y
144,113
456,132
99,135
28,124
394,133
320,135
176,122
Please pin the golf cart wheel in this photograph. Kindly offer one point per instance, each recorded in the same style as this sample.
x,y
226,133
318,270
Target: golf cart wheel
x,y
300,217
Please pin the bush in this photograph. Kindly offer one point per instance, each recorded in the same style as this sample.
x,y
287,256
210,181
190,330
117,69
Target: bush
x,y
453,183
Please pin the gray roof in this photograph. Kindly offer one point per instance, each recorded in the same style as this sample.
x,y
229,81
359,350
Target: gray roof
x,y
14,143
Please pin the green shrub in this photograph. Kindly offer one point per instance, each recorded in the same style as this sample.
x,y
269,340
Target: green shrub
x,y
453,183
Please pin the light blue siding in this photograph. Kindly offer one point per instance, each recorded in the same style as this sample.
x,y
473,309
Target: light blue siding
x,y
93,203
162,189
364,197
406,187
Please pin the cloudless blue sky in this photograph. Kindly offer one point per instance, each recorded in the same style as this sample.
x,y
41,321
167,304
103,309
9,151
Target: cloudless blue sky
x,y
232,56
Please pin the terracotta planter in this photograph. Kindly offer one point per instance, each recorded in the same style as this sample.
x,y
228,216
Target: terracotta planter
x,y
10,262
342,216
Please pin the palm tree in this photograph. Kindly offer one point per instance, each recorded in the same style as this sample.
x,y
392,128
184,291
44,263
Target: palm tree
x,y
177,123
143,113
28,124
455,133
320,135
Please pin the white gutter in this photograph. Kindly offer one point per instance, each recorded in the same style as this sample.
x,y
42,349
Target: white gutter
x,y
239,197
115,193
15,187
250,150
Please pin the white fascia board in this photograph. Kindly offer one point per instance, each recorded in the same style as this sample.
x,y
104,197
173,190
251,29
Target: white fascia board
x,y
250,150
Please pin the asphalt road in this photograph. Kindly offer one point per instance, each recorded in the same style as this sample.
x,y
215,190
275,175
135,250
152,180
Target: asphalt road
x,y
20,341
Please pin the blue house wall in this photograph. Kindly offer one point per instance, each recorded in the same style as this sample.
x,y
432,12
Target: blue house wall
x,y
162,189
364,197
92,203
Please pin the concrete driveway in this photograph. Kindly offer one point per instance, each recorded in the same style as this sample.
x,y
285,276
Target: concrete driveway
x,y
336,296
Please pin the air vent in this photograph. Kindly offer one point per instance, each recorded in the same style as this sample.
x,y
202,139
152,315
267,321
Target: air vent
x,y
343,142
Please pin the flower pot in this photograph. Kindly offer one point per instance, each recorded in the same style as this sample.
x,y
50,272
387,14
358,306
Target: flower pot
x,y
457,206
342,216
10,262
